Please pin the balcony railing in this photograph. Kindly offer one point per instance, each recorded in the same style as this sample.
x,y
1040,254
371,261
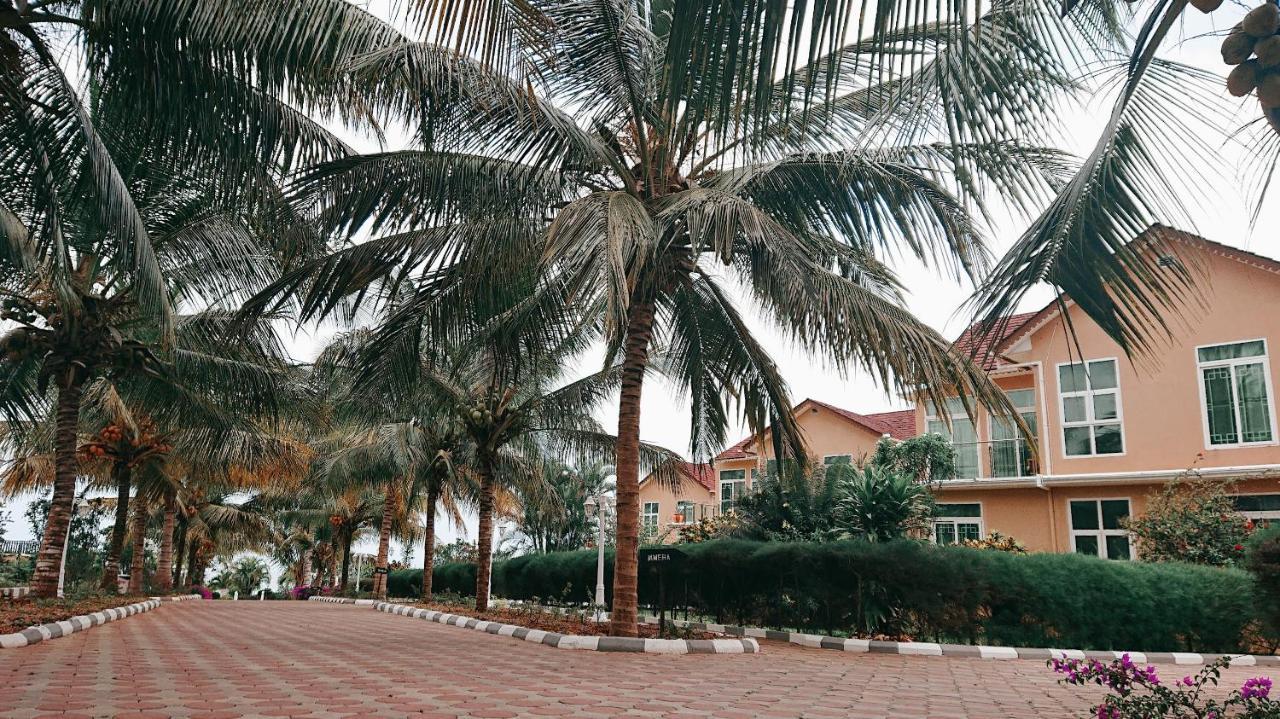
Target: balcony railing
x,y
993,459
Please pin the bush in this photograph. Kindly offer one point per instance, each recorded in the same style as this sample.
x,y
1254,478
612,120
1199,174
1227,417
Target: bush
x,y
1192,520
1263,560
914,589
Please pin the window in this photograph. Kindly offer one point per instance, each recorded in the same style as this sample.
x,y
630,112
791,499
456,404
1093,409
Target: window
x,y
684,510
1263,509
1096,528
831,459
733,484
1010,454
962,435
1235,392
955,523
649,519
1091,421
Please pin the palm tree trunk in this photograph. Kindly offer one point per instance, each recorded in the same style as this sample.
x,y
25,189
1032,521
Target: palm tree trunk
x,y
44,583
138,565
318,578
164,566
625,564
347,537
429,541
195,570
484,542
384,541
111,566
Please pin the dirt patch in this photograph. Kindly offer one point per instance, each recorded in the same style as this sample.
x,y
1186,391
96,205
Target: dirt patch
x,y
18,614
580,624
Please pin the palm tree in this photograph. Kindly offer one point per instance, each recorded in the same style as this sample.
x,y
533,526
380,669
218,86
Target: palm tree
x,y
651,196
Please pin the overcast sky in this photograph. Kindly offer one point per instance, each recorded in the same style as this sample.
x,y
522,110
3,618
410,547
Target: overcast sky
x,y
1220,210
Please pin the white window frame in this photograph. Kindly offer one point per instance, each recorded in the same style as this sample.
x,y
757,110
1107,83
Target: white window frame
x,y
1267,515
688,517
1100,533
1032,409
931,415
982,527
1265,359
721,481
1090,421
647,529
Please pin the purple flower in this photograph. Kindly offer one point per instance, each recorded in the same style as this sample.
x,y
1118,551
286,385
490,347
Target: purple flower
x,y
1256,688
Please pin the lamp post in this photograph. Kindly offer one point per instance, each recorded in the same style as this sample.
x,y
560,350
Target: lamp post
x,y
596,506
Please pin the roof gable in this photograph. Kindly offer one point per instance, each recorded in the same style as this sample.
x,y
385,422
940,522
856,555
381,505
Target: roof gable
x,y
899,425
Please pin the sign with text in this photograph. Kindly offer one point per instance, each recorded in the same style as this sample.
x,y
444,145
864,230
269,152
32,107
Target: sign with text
x,y
661,557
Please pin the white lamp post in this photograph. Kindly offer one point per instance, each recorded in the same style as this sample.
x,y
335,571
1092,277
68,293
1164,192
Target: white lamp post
x,y
597,506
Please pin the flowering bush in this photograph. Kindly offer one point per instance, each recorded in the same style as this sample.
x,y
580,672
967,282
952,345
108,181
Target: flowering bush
x,y
998,542
1192,520
203,591
302,592
1138,693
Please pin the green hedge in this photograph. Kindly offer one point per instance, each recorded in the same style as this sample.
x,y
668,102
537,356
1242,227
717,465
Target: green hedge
x,y
915,589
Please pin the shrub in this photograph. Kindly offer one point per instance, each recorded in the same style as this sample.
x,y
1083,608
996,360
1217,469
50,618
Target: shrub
x,y
1263,560
203,591
998,542
1138,693
918,590
880,504
1192,520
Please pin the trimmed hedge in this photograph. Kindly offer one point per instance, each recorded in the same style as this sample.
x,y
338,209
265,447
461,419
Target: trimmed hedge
x,y
915,589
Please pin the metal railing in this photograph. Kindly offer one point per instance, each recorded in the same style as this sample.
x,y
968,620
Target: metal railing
x,y
20,546
995,459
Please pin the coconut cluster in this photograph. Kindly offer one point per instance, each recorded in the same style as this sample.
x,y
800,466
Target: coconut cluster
x,y
1253,47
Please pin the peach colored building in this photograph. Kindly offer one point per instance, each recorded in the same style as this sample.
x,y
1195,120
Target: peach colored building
x,y
832,435
1109,431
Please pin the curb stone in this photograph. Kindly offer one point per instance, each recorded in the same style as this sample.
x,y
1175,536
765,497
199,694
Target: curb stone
x,y
344,600
14,592
573,641
971,651
178,598
39,633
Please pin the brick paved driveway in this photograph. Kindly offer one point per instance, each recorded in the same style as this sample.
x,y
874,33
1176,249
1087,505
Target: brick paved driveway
x,y
225,659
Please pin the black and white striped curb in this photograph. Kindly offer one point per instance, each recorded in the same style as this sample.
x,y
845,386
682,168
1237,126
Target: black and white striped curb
x,y
344,600
575,641
971,651
179,598
33,635
14,592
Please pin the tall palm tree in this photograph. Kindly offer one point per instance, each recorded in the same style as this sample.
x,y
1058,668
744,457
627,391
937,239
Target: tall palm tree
x,y
652,196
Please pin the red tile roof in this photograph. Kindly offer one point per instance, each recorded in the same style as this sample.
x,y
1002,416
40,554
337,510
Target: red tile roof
x,y
983,345
868,421
900,424
703,474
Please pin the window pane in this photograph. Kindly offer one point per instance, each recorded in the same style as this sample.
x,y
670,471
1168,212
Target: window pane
x,y
1084,514
837,459
726,491
1102,374
1255,413
967,532
1073,409
959,510
1117,547
1022,398
964,440
944,533
1087,545
1104,406
1106,439
733,474
1220,405
1257,502
1077,441
1071,378
1113,510
1256,348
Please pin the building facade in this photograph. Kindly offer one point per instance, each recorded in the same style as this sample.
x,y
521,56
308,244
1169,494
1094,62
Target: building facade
x,y
1109,431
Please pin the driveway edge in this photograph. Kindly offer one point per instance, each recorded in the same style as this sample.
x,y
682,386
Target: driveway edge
x,y
39,633
971,651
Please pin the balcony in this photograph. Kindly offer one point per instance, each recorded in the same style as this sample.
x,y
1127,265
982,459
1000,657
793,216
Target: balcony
x,y
995,459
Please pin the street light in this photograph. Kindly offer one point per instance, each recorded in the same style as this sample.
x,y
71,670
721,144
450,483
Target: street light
x,y
596,507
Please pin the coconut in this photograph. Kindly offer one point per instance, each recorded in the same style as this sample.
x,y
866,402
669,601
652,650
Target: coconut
x,y
1262,21
1243,79
1237,47
1268,51
1269,90
1207,6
